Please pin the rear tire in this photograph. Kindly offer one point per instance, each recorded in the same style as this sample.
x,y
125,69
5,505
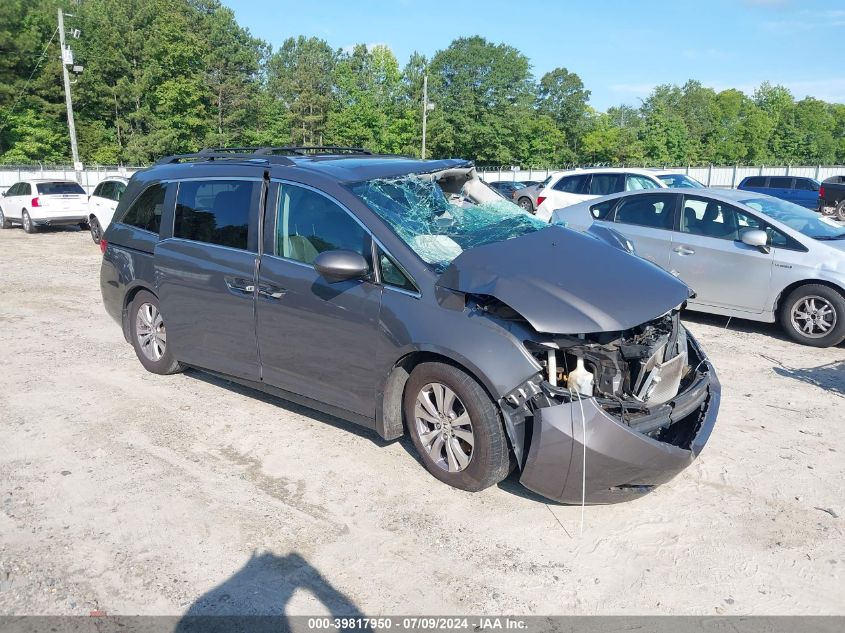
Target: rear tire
x,y
458,430
96,230
28,225
840,211
4,222
526,204
814,314
149,337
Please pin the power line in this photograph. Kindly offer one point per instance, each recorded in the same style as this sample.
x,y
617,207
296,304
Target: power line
x,y
31,75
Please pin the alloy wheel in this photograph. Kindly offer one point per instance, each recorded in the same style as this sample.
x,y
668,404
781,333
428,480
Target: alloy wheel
x,y
96,231
27,223
149,330
813,316
444,428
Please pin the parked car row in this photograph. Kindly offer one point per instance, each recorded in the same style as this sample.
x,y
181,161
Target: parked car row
x,y
36,202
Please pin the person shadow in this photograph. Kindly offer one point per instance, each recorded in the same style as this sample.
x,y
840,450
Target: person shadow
x,y
255,598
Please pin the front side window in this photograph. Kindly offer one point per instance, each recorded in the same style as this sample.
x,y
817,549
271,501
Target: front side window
x,y
680,181
635,183
15,189
145,212
604,184
392,274
712,218
755,181
656,211
806,184
309,223
214,212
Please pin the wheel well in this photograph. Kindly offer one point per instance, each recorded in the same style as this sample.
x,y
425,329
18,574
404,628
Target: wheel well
x,y
805,282
127,300
389,422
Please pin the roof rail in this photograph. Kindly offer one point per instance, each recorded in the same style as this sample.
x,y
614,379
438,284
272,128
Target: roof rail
x,y
275,155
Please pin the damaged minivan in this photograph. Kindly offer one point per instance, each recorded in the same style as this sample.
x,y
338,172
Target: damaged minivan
x,y
407,296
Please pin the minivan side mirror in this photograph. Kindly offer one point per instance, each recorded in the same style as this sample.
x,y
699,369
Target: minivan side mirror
x,y
756,238
341,265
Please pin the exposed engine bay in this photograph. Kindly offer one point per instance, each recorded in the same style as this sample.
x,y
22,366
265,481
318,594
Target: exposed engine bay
x,y
648,377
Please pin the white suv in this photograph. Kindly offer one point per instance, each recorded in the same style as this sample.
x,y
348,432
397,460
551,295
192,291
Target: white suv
x,y
33,203
102,203
570,187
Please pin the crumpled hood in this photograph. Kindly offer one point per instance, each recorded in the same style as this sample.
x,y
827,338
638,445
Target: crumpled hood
x,y
564,282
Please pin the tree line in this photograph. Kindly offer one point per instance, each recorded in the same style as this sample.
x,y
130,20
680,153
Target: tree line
x,y
172,76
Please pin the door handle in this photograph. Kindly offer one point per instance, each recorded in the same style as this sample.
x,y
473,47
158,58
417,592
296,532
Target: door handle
x,y
683,250
240,286
271,292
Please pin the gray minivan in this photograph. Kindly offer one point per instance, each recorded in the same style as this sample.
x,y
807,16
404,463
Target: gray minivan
x,y
350,283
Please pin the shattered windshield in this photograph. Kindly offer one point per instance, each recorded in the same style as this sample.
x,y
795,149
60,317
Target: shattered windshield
x,y
439,229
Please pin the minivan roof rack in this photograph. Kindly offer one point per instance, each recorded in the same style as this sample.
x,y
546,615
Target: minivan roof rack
x,y
276,155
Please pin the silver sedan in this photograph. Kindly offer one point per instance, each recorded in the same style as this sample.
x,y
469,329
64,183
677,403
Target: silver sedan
x,y
744,254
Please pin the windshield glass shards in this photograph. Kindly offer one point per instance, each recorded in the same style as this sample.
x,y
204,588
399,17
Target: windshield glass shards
x,y
439,229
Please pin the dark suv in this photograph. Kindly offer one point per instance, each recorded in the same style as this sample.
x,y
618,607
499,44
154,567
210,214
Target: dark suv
x,y
348,282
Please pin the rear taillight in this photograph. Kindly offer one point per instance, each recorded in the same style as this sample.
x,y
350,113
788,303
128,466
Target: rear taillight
x,y
540,200
35,203
821,191
103,246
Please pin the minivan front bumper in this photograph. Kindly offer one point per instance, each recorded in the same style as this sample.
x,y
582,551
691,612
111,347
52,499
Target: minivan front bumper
x,y
621,462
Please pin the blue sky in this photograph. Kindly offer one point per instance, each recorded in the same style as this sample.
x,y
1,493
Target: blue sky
x,y
621,49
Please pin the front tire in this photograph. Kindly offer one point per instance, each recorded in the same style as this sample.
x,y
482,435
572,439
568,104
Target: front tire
x,y
455,427
4,222
149,336
28,225
96,230
814,315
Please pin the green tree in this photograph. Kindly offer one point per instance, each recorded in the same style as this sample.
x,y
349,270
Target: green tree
x,y
562,96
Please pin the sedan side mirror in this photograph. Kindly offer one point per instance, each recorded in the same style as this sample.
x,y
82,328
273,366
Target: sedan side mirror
x,y
756,238
341,265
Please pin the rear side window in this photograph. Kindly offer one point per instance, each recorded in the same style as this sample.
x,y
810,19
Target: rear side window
x,y
24,189
780,183
604,184
571,184
656,211
59,188
214,212
145,212
601,210
755,181
117,192
309,223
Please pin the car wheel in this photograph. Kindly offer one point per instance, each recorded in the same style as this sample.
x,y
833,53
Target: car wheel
x,y
814,315
4,223
28,225
96,230
840,211
149,336
525,203
455,427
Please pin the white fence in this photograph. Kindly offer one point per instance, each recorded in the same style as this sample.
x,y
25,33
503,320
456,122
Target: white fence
x,y
710,176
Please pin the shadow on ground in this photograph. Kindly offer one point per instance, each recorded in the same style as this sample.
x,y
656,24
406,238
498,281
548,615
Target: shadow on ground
x,y
830,376
255,597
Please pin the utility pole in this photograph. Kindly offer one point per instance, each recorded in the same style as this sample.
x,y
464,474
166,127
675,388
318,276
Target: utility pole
x,y
74,150
426,106
425,112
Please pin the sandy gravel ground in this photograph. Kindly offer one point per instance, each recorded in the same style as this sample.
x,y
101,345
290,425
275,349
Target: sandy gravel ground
x,y
138,494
